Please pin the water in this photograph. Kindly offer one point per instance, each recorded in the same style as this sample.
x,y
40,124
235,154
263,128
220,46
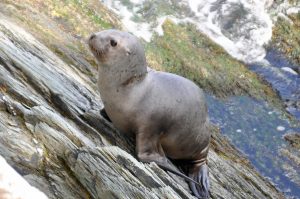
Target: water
x,y
241,27
278,72
257,130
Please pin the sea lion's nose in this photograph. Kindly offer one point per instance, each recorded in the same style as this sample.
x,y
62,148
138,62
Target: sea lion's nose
x,y
92,37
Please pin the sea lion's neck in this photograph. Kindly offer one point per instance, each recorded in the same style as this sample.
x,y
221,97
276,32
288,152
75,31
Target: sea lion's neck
x,y
113,79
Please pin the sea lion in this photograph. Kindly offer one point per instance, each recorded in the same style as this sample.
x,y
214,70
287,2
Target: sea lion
x,y
165,112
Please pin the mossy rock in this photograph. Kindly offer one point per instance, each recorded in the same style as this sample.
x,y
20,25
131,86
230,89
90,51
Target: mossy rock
x,y
63,26
286,37
186,51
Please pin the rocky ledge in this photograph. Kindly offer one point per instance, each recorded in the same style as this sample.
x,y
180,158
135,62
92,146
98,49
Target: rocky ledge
x,y
52,134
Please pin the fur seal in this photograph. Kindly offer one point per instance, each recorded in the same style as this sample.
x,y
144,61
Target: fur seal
x,y
165,112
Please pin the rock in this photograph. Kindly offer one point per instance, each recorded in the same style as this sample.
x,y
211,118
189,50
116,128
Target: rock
x,y
293,139
39,182
98,168
53,135
292,152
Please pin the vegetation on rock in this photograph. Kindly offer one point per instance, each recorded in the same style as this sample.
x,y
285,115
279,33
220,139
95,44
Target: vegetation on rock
x,y
51,130
286,36
65,25
186,51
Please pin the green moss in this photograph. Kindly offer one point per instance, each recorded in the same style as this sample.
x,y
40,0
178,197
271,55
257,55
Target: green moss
x,y
293,2
286,37
77,15
185,51
62,25
151,10
85,7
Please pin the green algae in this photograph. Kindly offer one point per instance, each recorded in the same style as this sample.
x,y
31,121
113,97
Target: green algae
x,y
64,26
186,51
286,37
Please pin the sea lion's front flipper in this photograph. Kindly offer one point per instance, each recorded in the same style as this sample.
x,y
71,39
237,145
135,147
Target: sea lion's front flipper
x,y
201,176
104,114
148,147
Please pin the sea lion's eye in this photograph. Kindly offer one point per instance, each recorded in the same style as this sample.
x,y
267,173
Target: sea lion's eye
x,y
113,43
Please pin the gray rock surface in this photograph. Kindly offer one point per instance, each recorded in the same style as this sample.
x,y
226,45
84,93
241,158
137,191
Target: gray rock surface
x,y
292,152
51,132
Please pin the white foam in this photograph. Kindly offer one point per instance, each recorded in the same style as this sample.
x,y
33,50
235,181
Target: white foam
x,y
142,30
137,1
293,10
285,8
280,128
289,70
241,27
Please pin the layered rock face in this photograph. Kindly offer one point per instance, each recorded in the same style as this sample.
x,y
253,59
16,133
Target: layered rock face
x,y
51,133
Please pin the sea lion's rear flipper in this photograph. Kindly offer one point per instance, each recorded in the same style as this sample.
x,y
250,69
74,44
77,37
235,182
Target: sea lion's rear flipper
x,y
104,114
201,176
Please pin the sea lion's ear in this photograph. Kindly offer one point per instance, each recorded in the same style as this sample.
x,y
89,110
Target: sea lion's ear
x,y
128,51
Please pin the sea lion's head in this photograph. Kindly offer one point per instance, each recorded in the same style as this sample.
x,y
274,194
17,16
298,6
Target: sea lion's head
x,y
114,48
